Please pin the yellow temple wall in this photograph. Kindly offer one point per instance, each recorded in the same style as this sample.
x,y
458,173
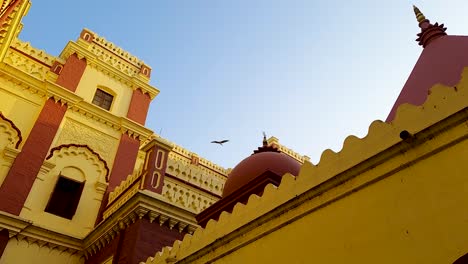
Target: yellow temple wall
x,y
76,163
20,106
21,251
413,216
93,79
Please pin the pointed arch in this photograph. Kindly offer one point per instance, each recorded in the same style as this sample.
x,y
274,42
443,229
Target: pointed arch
x,y
94,153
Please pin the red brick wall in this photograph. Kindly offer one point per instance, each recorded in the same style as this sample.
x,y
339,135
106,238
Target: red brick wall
x,y
152,238
143,239
72,72
139,105
105,253
124,161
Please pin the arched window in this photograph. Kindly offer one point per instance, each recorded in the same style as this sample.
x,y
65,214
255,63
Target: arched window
x,y
66,194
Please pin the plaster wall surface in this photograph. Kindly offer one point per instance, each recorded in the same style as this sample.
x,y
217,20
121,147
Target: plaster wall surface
x,y
79,129
78,164
413,216
93,79
20,251
20,106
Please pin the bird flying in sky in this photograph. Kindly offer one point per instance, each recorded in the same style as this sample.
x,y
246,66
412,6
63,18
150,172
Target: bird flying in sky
x,y
220,142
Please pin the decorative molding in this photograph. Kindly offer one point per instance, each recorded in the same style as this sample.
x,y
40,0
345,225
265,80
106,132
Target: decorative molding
x,y
36,54
26,64
202,161
186,197
22,229
12,223
46,167
142,204
11,24
11,129
109,65
122,198
124,185
74,132
75,149
196,175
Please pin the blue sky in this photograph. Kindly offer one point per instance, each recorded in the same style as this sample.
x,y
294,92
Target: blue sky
x,y
308,72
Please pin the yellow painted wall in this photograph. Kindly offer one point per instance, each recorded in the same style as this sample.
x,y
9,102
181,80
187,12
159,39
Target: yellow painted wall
x,y
20,106
417,215
92,79
22,252
78,164
79,129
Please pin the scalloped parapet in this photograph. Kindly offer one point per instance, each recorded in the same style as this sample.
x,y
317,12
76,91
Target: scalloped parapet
x,y
273,141
37,54
384,141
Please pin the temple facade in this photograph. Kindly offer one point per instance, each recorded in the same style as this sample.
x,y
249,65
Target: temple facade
x,y
83,180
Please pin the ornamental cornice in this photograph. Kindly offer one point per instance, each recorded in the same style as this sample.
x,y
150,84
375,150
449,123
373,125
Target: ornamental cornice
x,y
23,229
133,81
27,49
49,89
12,223
142,204
77,104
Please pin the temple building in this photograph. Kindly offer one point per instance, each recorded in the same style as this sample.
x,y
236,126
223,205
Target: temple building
x,y
84,181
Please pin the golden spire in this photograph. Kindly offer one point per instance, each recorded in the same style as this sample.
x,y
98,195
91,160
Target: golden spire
x,y
419,15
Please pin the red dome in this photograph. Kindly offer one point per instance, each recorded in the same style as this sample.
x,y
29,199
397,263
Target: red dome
x,y
256,165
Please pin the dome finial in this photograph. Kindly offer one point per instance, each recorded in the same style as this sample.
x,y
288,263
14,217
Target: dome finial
x,y
265,142
429,32
419,15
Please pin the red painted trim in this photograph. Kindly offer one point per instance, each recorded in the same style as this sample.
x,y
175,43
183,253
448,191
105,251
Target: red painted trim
x,y
72,72
441,62
14,127
19,180
124,161
152,169
51,153
139,105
